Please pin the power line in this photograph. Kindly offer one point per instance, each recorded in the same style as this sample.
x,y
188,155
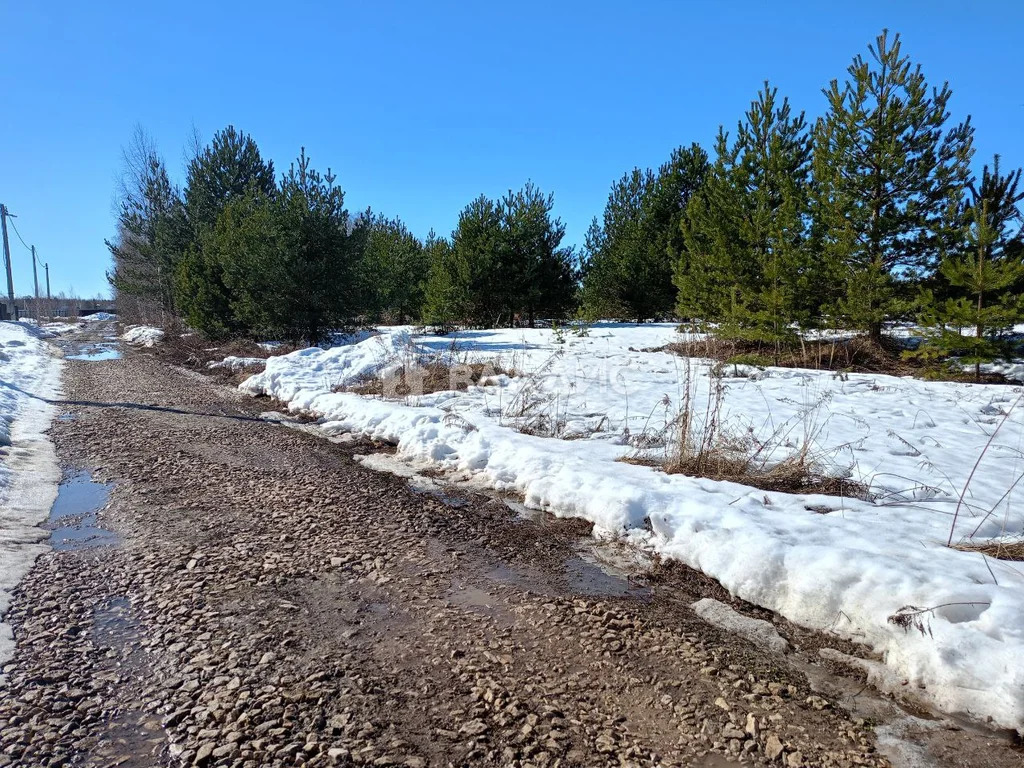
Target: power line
x,y
15,228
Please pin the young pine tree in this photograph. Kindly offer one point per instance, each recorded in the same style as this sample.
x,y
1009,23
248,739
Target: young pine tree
x,y
446,301
286,261
984,272
393,268
888,177
535,274
749,266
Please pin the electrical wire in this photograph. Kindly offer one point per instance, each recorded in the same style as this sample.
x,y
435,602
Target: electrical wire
x,y
15,228
27,246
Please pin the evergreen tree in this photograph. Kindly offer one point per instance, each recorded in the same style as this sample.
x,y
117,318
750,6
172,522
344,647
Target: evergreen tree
x,y
888,177
983,272
229,168
628,257
533,274
447,300
286,261
150,234
475,243
748,265
393,268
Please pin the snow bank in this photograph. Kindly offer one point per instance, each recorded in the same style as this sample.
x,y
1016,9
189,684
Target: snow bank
x,y
29,474
832,564
99,317
236,364
315,369
142,335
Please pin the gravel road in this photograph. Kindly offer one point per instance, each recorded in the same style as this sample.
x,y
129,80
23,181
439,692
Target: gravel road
x,y
257,597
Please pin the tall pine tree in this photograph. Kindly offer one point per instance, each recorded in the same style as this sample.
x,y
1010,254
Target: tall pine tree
x,y
229,168
748,266
889,176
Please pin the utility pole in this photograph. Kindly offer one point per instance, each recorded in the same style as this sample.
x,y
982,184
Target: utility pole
x,y
7,253
47,267
35,281
35,275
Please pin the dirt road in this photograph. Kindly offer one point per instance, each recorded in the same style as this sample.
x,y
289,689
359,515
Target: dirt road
x,y
251,595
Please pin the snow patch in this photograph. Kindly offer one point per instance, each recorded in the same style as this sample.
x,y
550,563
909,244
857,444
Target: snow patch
x,y
142,335
761,633
29,474
236,364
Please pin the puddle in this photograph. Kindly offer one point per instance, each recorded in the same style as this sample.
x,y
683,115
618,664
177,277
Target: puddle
x,y
437,491
113,625
66,417
94,352
595,577
523,512
73,516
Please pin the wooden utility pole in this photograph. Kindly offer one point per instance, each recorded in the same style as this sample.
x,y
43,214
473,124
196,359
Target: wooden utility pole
x,y
46,266
7,253
35,275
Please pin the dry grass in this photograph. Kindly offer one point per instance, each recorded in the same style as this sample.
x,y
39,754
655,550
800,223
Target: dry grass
x,y
425,378
192,350
853,355
699,443
1010,550
856,354
792,475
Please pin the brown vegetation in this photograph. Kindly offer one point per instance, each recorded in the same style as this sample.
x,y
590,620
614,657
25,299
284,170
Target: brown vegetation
x,y
999,550
425,378
855,354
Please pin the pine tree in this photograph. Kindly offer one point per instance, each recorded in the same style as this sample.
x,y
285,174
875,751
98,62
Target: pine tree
x,y
628,257
888,176
749,267
319,291
534,274
446,293
229,168
475,244
983,272
393,269
286,261
150,235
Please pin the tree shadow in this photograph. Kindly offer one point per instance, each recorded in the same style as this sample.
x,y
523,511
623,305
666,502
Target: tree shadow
x,y
134,406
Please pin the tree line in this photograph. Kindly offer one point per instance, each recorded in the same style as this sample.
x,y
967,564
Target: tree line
x,y
240,251
868,215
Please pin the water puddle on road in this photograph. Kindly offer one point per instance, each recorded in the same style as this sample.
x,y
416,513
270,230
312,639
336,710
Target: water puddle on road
x,y
113,626
73,517
96,352
595,577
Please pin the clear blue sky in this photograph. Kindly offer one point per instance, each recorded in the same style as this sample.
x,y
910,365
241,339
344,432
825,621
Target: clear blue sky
x,y
421,106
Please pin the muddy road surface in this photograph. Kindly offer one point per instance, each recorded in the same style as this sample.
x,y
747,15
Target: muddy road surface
x,y
225,590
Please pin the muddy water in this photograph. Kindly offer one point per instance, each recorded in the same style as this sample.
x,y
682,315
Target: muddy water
x,y
107,350
73,517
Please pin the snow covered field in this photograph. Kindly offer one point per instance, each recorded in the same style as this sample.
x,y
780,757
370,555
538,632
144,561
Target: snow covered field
x,y
28,464
555,432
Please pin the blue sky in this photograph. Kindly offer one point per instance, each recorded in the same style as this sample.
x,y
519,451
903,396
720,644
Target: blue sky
x,y
420,106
